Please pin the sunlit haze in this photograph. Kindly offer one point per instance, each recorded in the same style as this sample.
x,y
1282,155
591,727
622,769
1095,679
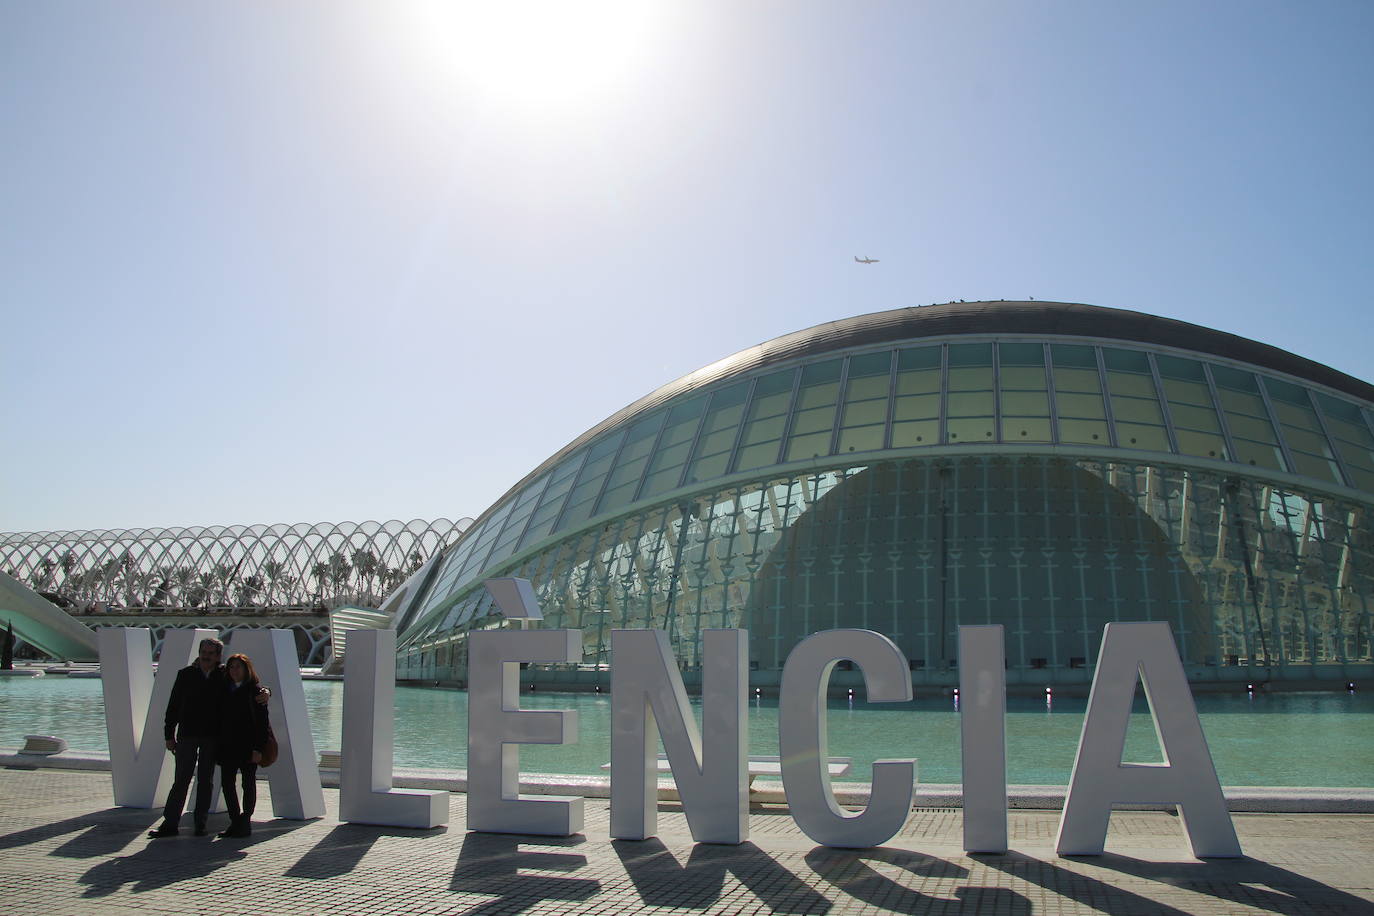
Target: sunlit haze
x,y
270,262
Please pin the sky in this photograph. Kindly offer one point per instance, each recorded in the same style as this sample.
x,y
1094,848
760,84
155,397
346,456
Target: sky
x,y
327,261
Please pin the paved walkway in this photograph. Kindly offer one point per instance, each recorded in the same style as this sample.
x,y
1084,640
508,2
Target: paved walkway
x,y
65,850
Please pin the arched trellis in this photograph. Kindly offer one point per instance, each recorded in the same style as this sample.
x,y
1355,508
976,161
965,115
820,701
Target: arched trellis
x,y
312,639
281,567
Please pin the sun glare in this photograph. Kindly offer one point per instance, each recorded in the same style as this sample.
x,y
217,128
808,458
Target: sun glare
x,y
533,52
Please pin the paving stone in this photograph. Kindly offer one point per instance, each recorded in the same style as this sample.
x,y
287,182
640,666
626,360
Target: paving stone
x,y
65,850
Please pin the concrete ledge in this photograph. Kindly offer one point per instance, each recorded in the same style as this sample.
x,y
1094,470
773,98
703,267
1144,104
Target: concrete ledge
x,y
1240,799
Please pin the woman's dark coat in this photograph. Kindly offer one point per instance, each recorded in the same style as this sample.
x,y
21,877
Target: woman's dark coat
x,y
243,724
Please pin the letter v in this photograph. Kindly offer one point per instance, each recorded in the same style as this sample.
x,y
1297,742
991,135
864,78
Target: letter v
x,y
135,703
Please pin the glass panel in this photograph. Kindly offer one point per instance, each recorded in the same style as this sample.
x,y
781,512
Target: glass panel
x,y
1021,354
1203,445
811,421
1187,392
921,381
1242,403
919,358
916,433
1139,386
1234,379
1135,435
800,447
755,456
1025,429
970,403
1019,377
1125,360
1171,367
861,439
1080,405
1023,403
1137,410
1092,432
866,412
1251,428
972,354
970,379
1076,380
874,386
870,364
764,430
1201,418
1073,355
920,407
1259,454
971,430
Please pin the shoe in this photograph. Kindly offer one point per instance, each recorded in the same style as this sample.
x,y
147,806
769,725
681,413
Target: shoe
x,y
200,830
242,829
232,830
165,830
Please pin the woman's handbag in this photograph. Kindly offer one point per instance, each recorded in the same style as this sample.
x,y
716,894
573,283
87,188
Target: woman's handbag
x,y
269,750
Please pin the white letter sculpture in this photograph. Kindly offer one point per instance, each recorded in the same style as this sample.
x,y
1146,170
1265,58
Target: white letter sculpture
x,y
983,734
366,795
711,770
497,726
135,706
802,739
1187,776
295,777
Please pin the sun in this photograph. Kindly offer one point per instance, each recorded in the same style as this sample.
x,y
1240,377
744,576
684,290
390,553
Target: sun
x,y
532,52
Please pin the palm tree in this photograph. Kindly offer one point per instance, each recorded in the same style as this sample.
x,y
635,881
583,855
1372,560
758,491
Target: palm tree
x,y
365,562
184,579
272,572
320,572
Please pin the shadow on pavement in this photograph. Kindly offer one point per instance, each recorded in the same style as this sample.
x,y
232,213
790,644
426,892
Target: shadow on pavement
x,y
1245,881
853,871
167,861
661,881
344,847
103,833
494,864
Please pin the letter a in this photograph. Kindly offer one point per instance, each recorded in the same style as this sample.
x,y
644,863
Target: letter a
x,y
1187,778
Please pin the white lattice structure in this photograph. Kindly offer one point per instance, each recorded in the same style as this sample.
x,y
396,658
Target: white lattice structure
x,y
280,568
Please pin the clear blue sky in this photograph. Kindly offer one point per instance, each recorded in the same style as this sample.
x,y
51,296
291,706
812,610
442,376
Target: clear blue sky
x,y
319,261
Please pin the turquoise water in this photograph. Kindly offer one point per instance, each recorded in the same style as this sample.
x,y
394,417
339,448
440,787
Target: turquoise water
x,y
1307,739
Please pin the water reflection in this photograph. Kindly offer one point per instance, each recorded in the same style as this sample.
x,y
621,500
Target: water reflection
x,y
1251,734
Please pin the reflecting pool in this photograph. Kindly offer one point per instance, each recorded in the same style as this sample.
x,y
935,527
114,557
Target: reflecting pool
x,y
1295,739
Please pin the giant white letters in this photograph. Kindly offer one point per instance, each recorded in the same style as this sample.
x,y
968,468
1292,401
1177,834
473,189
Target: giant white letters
x,y
983,736
295,777
1187,776
497,726
801,738
365,792
135,704
647,696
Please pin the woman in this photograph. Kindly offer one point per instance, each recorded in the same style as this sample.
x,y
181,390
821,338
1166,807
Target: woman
x,y
243,735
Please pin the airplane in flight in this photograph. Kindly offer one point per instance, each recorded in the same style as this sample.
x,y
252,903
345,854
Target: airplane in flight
x,y
865,260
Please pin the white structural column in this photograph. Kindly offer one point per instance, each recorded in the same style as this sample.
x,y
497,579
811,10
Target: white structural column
x,y
802,738
135,707
711,769
295,777
366,795
1187,777
983,737
497,726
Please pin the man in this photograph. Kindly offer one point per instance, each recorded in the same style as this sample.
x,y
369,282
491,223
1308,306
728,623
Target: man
x,y
191,728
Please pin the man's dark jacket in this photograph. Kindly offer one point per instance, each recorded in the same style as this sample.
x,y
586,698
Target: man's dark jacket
x,y
193,710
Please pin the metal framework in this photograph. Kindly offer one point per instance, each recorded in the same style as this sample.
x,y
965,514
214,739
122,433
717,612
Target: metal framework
x,y
910,475
237,568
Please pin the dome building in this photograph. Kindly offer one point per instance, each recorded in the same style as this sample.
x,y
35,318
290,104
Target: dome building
x,y
1047,466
